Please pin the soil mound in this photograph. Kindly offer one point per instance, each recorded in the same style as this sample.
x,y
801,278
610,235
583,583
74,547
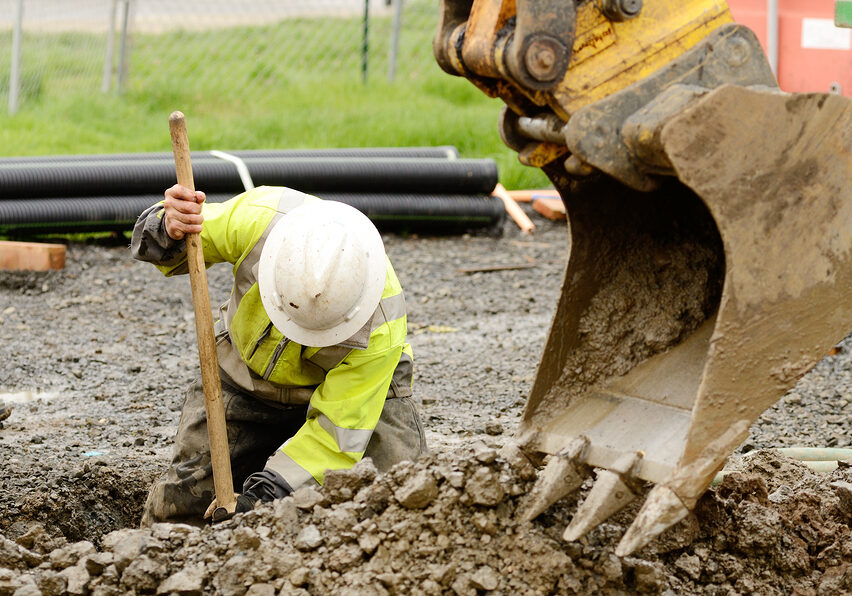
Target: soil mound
x,y
445,525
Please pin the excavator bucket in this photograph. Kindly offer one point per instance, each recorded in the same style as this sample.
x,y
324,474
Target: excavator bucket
x,y
711,236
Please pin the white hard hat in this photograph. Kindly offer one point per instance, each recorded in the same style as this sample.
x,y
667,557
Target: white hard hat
x,y
322,273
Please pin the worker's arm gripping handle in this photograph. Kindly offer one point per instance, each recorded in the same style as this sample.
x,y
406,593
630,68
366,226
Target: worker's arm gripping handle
x,y
216,428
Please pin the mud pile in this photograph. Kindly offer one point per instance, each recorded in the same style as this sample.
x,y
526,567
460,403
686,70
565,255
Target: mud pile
x,y
445,525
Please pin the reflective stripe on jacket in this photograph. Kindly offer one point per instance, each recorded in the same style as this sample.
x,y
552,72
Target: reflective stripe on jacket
x,y
345,385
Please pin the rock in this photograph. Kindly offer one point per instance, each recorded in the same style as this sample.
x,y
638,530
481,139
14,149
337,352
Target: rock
x,y
418,491
456,478
843,490
485,522
69,555
485,578
13,555
233,576
342,485
186,582
484,487
307,497
376,496
35,534
9,582
520,463
462,586
50,582
345,557
690,565
388,580
166,531
648,576
246,538
366,470
286,516
610,568
308,539
261,590
126,545
368,542
341,519
836,580
143,574
96,563
483,453
76,579
493,428
28,590
300,576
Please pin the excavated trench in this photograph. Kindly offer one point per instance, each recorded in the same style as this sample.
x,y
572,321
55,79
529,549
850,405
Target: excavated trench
x,y
104,348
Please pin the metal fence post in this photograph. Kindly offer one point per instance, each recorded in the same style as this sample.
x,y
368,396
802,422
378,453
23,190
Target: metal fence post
x,y
397,23
15,73
109,60
365,46
122,48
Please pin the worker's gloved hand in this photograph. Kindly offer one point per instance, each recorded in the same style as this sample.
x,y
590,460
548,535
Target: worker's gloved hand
x,y
266,486
260,487
216,513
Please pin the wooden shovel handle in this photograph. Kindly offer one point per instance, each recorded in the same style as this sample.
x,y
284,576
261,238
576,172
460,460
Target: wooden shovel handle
x,y
216,427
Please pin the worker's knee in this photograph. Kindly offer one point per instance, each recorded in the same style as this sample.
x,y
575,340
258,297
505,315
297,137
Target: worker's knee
x,y
398,436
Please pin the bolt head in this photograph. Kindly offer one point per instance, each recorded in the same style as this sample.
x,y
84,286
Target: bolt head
x,y
542,59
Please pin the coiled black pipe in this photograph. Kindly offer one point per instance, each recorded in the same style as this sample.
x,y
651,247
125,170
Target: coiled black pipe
x,y
436,213
350,175
440,152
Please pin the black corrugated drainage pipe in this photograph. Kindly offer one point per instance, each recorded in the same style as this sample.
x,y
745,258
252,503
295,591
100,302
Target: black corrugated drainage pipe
x,y
441,152
390,212
213,175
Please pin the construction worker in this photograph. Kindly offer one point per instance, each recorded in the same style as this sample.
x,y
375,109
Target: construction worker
x,y
315,369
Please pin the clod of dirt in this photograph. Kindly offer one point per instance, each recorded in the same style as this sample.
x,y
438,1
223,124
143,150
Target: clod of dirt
x,y
446,525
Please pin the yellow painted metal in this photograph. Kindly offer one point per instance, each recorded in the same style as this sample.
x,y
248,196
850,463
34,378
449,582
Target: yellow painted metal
x,y
538,155
487,17
664,30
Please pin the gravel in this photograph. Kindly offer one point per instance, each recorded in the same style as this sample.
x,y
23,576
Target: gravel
x,y
95,358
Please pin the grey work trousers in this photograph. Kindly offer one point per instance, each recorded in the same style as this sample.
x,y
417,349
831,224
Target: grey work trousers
x,y
256,429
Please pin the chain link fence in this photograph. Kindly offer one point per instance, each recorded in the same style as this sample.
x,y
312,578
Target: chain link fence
x,y
228,47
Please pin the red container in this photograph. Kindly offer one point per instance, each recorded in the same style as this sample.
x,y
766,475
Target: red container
x,y
813,54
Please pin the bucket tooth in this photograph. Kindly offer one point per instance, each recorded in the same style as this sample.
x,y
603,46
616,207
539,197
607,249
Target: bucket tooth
x,y
609,494
662,509
613,490
563,474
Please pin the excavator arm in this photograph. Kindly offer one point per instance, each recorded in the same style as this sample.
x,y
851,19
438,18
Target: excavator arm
x,y
711,236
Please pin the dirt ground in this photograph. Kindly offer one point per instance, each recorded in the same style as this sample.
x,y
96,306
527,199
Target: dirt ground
x,y
95,358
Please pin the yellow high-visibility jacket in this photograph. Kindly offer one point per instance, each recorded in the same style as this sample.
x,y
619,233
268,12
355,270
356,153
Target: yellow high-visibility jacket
x,y
344,385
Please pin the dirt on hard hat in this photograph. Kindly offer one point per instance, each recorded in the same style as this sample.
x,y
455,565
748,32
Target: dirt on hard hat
x,y
95,359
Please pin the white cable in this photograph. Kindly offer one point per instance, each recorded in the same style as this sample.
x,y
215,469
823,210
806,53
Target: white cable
x,y
242,170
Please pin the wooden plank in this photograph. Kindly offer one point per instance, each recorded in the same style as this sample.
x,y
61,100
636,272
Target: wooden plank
x,y
550,208
514,210
31,256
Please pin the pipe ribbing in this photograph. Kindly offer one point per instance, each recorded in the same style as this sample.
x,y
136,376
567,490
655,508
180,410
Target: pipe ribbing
x,y
438,213
439,152
213,175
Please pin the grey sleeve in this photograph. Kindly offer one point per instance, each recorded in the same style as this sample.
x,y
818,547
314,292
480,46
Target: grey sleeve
x,y
151,243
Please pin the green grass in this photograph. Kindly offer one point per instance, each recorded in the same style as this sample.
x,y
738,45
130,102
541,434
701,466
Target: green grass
x,y
251,88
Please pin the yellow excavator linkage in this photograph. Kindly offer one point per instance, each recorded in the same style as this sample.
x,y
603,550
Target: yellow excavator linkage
x,y
711,236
